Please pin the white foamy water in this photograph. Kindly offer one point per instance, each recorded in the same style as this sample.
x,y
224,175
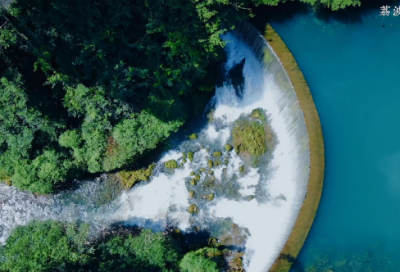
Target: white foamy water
x,y
269,217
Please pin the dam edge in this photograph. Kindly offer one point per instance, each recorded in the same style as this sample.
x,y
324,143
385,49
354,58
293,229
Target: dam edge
x,y
312,198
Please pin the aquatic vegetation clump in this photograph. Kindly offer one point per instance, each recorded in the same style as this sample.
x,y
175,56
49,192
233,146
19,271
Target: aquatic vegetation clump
x,y
171,164
130,178
228,147
190,155
193,208
249,136
217,154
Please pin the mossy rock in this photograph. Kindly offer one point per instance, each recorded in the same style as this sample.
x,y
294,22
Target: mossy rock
x,y
226,162
228,147
210,197
171,164
202,170
8,182
217,162
192,194
250,136
193,182
192,173
193,208
193,136
210,163
190,156
217,154
259,114
184,155
210,115
129,178
241,169
184,160
197,177
211,172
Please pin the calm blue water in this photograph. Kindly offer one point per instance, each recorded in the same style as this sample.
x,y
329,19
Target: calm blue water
x,y
352,65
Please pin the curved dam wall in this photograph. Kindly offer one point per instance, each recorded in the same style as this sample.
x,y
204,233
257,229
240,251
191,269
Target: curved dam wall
x,y
297,101
316,148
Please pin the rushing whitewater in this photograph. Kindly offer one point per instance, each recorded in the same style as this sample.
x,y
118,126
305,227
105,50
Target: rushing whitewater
x,y
264,201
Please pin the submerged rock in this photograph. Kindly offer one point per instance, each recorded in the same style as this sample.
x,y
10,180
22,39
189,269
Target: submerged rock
x,y
171,164
211,172
193,136
241,169
193,208
129,178
202,170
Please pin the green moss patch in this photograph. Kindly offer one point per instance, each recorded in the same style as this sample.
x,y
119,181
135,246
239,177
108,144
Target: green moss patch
x,y
129,178
249,135
193,208
171,164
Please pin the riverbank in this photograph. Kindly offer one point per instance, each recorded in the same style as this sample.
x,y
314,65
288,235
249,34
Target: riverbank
x,y
317,157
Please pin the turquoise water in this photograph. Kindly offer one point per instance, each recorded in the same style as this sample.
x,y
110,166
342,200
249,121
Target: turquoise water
x,y
352,65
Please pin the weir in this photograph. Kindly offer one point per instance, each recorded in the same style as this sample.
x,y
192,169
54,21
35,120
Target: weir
x,y
264,201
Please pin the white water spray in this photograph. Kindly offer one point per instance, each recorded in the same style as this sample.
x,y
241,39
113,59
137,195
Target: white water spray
x,y
164,200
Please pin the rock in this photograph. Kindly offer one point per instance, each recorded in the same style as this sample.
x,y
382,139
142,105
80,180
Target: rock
x,y
241,169
228,147
191,194
208,149
211,172
217,162
224,170
193,182
226,162
193,208
171,164
184,160
210,163
197,177
190,156
8,182
217,154
210,197
192,173
130,178
193,136
202,170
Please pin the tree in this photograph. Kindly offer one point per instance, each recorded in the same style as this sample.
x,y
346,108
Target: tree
x,y
44,246
200,260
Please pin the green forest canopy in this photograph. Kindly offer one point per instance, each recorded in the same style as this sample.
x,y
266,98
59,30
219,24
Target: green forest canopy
x,y
91,86
56,246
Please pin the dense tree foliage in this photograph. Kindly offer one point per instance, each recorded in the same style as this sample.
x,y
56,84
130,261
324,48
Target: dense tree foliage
x,y
91,86
54,246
